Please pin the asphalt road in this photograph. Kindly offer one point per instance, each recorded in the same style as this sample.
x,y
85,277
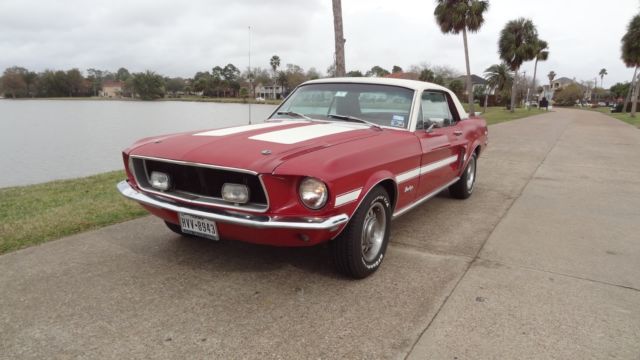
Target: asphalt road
x,y
543,261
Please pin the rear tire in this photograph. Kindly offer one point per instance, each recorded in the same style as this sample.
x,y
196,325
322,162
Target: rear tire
x,y
358,251
463,188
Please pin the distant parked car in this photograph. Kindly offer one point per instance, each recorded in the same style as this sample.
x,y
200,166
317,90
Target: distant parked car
x,y
335,162
260,99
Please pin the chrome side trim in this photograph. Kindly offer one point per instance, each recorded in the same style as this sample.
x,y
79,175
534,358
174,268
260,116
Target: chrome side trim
x,y
425,198
188,163
254,221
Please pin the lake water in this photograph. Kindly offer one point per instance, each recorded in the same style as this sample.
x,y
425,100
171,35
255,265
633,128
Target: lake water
x,y
43,140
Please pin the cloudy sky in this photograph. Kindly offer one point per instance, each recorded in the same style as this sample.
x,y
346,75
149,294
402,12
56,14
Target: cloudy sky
x,y
178,38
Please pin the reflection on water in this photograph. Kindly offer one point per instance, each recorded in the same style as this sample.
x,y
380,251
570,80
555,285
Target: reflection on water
x,y
42,140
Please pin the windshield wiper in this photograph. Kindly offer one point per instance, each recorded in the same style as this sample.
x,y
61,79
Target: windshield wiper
x,y
294,114
354,119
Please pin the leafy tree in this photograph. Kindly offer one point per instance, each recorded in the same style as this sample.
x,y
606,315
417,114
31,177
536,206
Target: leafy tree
x,y
569,96
244,93
148,85
396,69
620,90
499,79
295,75
53,84
31,79
454,16
13,81
75,82
175,85
282,80
542,54
338,38
631,56
355,73
457,86
427,75
313,74
122,74
231,76
377,71
518,43
96,77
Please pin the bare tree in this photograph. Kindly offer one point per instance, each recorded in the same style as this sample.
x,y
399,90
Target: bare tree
x,y
339,37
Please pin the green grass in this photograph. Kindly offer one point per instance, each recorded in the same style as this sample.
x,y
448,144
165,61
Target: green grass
x,y
620,116
498,114
35,214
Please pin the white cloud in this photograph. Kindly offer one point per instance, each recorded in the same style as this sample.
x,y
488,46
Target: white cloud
x,y
180,38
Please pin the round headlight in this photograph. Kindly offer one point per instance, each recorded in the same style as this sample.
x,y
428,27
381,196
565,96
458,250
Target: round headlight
x,y
313,193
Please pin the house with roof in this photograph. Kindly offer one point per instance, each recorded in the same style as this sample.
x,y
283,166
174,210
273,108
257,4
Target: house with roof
x,y
477,82
561,83
403,75
111,88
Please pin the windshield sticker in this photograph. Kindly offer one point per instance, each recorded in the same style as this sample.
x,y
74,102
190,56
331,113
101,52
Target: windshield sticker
x,y
397,121
341,94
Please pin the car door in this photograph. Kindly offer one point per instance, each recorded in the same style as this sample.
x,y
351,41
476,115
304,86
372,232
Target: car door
x,y
441,141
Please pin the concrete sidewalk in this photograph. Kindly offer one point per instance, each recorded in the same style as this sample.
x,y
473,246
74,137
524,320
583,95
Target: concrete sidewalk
x,y
559,277
543,261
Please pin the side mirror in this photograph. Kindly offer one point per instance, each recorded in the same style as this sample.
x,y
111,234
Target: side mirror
x,y
435,122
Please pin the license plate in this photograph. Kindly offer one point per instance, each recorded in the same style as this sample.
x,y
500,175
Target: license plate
x,y
199,226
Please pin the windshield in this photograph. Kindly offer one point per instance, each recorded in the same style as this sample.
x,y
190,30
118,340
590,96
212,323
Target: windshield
x,y
383,105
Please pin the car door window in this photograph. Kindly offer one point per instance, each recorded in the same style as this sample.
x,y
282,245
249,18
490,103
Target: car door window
x,y
434,109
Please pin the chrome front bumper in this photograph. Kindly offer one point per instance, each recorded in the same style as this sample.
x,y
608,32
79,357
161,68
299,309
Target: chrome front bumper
x,y
255,221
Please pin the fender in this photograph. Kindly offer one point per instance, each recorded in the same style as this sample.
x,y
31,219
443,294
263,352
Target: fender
x,y
374,180
467,156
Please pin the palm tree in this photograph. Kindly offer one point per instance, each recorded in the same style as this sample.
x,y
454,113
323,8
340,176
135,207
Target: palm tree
x,y
454,16
602,73
542,54
498,78
631,56
518,43
275,63
339,37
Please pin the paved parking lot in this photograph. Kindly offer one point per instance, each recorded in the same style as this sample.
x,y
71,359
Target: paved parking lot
x,y
543,261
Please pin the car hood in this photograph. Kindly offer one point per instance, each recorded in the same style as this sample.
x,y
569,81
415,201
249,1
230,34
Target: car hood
x,y
260,147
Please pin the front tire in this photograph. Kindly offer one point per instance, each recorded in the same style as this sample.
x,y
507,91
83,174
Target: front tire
x,y
463,188
358,251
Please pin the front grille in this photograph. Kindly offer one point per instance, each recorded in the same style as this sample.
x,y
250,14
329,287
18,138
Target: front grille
x,y
200,183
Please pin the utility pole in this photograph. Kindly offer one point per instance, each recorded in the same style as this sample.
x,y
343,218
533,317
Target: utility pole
x,y
250,77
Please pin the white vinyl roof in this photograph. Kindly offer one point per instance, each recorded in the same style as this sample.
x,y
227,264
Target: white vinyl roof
x,y
411,84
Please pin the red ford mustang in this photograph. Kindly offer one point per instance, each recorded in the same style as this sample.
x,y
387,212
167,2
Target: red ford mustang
x,y
337,161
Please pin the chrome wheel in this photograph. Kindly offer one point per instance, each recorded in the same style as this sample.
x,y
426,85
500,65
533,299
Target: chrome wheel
x,y
373,231
471,173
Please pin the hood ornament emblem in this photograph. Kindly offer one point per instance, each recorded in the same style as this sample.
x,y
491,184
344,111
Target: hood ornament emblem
x,y
266,152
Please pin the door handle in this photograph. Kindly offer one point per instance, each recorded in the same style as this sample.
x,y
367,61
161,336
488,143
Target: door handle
x,y
457,132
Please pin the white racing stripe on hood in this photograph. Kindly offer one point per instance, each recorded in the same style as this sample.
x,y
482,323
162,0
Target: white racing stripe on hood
x,y
304,133
244,128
